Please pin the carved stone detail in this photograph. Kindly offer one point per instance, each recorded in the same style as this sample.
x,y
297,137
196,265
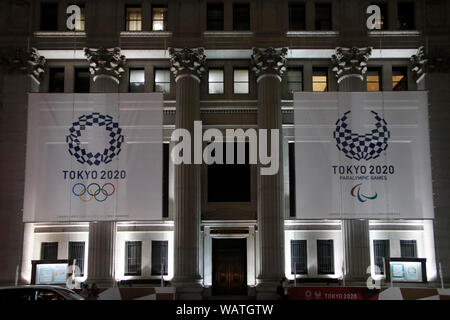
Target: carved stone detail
x,y
418,63
269,61
106,63
187,61
22,60
350,62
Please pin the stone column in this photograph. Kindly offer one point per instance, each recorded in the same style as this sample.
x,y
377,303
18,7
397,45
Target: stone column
x,y
350,66
187,66
106,67
269,65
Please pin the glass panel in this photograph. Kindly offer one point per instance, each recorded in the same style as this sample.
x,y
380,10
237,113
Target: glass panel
x,y
373,80
299,263
215,75
325,257
292,204
134,19
56,81
216,88
241,88
406,15
399,79
323,16
137,75
76,251
297,16
159,18
49,250
241,16
133,257
380,251
408,248
240,75
159,257
214,13
162,76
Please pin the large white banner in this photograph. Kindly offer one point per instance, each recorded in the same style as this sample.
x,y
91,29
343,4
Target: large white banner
x,y
94,157
362,155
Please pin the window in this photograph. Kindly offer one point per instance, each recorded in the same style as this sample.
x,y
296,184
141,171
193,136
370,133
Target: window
x,y
159,18
215,81
373,78
320,80
14,294
162,80
325,257
80,23
299,258
240,77
408,248
292,204
82,80
214,16
323,16
399,79
133,254
384,15
297,16
133,18
165,180
137,80
241,16
49,250
56,80
47,295
230,182
159,257
295,80
49,16
76,251
380,250
405,12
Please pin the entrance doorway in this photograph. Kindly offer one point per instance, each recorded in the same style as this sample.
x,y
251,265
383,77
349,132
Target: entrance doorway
x,y
229,267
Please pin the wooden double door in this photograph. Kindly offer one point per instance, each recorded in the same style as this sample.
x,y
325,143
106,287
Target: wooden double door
x,y
229,267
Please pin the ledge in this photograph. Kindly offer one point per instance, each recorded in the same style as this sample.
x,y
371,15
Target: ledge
x,y
312,34
227,34
394,33
60,34
146,34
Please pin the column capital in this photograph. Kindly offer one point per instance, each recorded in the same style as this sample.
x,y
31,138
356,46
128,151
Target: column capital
x,y
105,63
350,62
187,62
417,62
23,60
269,61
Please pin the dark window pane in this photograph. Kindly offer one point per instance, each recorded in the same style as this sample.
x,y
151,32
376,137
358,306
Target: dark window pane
x,y
406,15
47,295
384,15
292,204
133,254
49,16
323,16
297,16
76,251
399,79
162,80
17,295
214,16
373,78
49,250
82,80
241,16
56,80
325,257
299,257
294,80
381,250
408,248
159,257
165,180
230,182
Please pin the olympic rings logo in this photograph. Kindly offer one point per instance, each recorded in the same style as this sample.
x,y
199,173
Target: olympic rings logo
x,y
93,191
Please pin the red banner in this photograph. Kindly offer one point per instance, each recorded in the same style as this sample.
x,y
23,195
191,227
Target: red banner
x,y
332,293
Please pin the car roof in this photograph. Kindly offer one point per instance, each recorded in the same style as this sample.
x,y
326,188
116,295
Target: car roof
x,y
35,287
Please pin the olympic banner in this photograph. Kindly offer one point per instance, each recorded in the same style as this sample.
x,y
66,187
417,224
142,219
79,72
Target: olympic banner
x,y
362,155
93,157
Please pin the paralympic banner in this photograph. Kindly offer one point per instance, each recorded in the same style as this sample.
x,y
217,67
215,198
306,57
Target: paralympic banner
x,y
362,155
93,157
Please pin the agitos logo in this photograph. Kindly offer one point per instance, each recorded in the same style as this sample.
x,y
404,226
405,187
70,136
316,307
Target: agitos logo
x,y
356,193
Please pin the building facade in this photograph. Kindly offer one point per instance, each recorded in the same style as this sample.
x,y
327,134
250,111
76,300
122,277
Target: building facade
x,y
223,229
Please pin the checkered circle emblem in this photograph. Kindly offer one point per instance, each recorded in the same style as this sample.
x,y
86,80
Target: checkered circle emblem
x,y
89,120
361,147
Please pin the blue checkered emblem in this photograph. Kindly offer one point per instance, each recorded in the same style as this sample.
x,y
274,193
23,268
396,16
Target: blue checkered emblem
x,y
89,120
361,147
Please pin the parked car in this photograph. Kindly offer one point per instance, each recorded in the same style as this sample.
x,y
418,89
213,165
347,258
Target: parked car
x,y
37,293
